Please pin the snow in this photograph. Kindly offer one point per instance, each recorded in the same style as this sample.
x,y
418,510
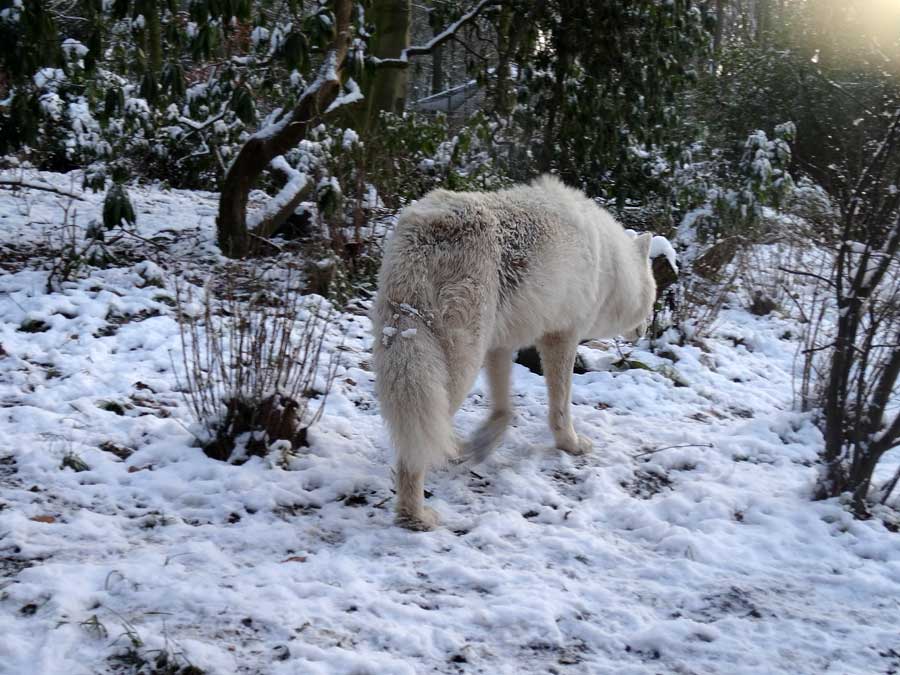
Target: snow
x,y
49,78
73,48
269,129
661,246
350,139
352,95
295,184
686,542
259,34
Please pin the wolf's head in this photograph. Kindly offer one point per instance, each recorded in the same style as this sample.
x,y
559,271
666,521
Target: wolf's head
x,y
646,292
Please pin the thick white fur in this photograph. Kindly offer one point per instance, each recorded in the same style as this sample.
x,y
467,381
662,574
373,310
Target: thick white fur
x,y
470,277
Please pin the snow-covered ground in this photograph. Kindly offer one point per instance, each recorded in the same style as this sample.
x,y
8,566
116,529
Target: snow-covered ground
x,y
686,543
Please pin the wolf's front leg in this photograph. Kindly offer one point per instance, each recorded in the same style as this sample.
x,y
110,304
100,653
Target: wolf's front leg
x,y
411,510
557,358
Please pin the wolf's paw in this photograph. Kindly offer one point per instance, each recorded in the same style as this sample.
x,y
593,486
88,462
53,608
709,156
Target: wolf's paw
x,y
579,445
425,521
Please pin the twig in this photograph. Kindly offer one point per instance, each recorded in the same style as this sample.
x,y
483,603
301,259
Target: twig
x,y
804,273
834,85
267,242
672,447
813,350
787,291
889,487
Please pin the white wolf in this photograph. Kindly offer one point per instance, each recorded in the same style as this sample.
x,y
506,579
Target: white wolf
x,y
470,277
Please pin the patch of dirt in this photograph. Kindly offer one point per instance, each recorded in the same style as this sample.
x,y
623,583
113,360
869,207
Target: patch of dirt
x,y
646,484
114,321
10,566
735,602
15,257
7,466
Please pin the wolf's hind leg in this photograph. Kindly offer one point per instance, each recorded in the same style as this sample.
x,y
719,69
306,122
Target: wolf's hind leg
x,y
557,358
411,510
489,435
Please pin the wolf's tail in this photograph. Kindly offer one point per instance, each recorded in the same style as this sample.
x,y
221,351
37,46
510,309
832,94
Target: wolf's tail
x,y
412,382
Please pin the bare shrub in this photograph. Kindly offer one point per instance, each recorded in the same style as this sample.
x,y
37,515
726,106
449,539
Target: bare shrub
x,y
252,363
853,337
692,305
73,249
759,269
850,372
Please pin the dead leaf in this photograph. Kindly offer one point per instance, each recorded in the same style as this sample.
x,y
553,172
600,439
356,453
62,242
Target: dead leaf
x,y
135,469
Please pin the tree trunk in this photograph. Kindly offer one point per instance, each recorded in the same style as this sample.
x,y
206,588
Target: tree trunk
x,y
547,155
762,20
388,88
720,26
437,55
437,70
150,10
508,40
268,143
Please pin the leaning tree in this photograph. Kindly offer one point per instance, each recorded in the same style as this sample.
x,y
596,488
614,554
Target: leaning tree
x,y
236,232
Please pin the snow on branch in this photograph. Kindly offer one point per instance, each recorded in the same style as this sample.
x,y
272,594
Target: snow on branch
x,y
275,139
352,95
277,209
327,73
419,50
447,100
200,126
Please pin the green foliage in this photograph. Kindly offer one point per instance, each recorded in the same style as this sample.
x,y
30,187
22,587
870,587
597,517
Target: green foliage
x,y
599,87
410,154
294,51
828,67
731,191
117,208
329,199
359,183
74,462
28,39
131,87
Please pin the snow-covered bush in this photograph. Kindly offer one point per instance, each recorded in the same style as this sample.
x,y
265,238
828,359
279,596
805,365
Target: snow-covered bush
x,y
144,89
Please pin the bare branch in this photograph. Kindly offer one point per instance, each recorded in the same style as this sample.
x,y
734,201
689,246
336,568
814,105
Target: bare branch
x,y
673,447
834,85
450,31
803,273
15,183
882,151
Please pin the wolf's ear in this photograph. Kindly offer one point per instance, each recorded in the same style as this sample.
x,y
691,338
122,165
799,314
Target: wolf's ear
x,y
642,241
